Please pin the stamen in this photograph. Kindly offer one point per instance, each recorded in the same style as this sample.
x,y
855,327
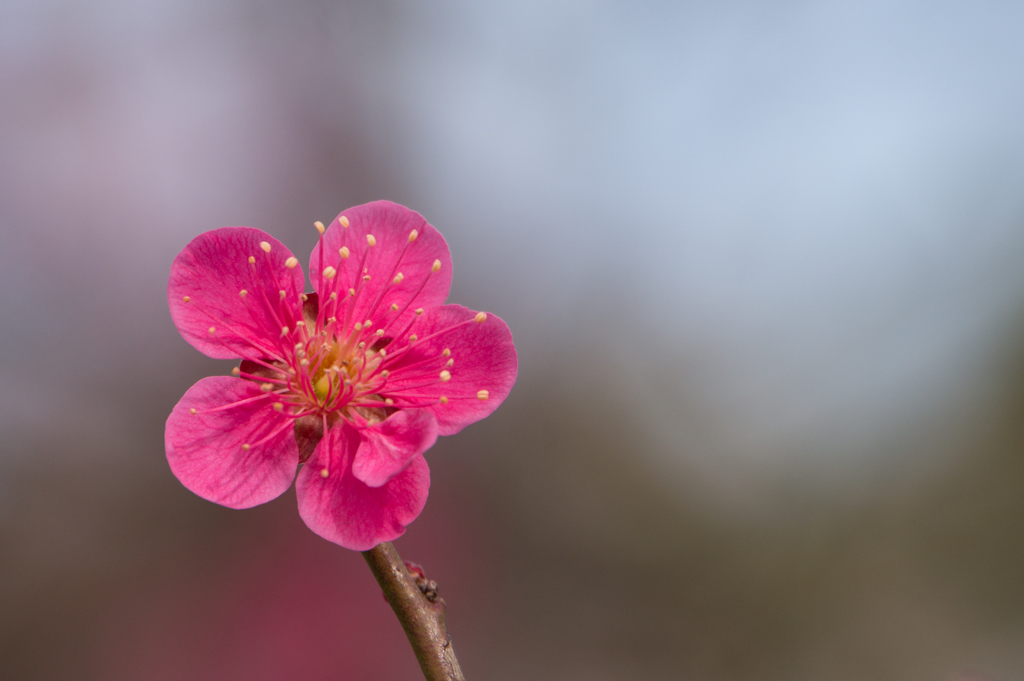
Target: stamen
x,y
482,395
245,447
192,411
436,267
450,363
265,245
419,310
480,317
235,371
334,295
278,406
444,400
344,221
447,352
186,298
412,235
370,239
243,293
329,272
445,376
324,473
394,307
212,329
283,294
319,226
344,252
397,280
291,262
252,260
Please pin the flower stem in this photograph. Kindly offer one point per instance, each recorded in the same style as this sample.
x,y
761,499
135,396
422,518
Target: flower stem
x,y
422,619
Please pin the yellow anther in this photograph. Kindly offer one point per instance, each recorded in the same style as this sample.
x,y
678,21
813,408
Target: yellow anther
x,y
351,291
212,329
450,362
482,395
368,323
444,400
413,234
380,332
394,307
343,252
319,226
447,351
397,280
245,447
334,295
300,347
265,245
362,345
252,260
284,330
324,473
419,310
192,411
243,293
291,262
329,272
413,338
370,239
283,294
388,400
331,320
266,387
235,371
278,406
385,373
344,221
383,354
303,297
366,277
359,326
304,362
436,266
186,298
446,376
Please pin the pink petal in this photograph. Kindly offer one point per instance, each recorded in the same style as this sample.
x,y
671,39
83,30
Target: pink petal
x,y
205,449
348,512
212,271
388,447
484,360
390,225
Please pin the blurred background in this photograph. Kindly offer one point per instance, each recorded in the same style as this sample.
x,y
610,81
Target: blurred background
x,y
762,262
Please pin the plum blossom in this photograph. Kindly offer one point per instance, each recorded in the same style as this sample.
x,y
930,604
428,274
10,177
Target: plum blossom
x,y
353,381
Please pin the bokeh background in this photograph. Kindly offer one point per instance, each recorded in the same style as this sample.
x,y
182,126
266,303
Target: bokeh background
x,y
762,262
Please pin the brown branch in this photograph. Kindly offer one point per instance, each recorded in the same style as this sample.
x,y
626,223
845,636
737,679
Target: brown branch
x,y
422,618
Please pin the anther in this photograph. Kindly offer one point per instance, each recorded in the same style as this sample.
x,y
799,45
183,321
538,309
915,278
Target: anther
x,y
303,297
450,362
444,400
419,310
344,221
329,272
480,317
324,473
385,373
332,320
186,298
245,447
380,332
304,362
235,371
446,376
299,347
383,354
413,338
265,245
334,295
212,329
278,406
291,262
358,326
394,307
413,234
366,277
266,387
351,291
368,323
388,400
192,411
447,351
482,395
343,252
319,226
243,293
370,239
397,280
283,294
436,266
284,330
362,345
252,260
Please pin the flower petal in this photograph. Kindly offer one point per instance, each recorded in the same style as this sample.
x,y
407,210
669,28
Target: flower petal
x,y
204,292
346,511
205,448
387,448
392,254
482,372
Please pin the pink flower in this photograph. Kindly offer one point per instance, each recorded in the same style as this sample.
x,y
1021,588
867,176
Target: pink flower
x,y
355,380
